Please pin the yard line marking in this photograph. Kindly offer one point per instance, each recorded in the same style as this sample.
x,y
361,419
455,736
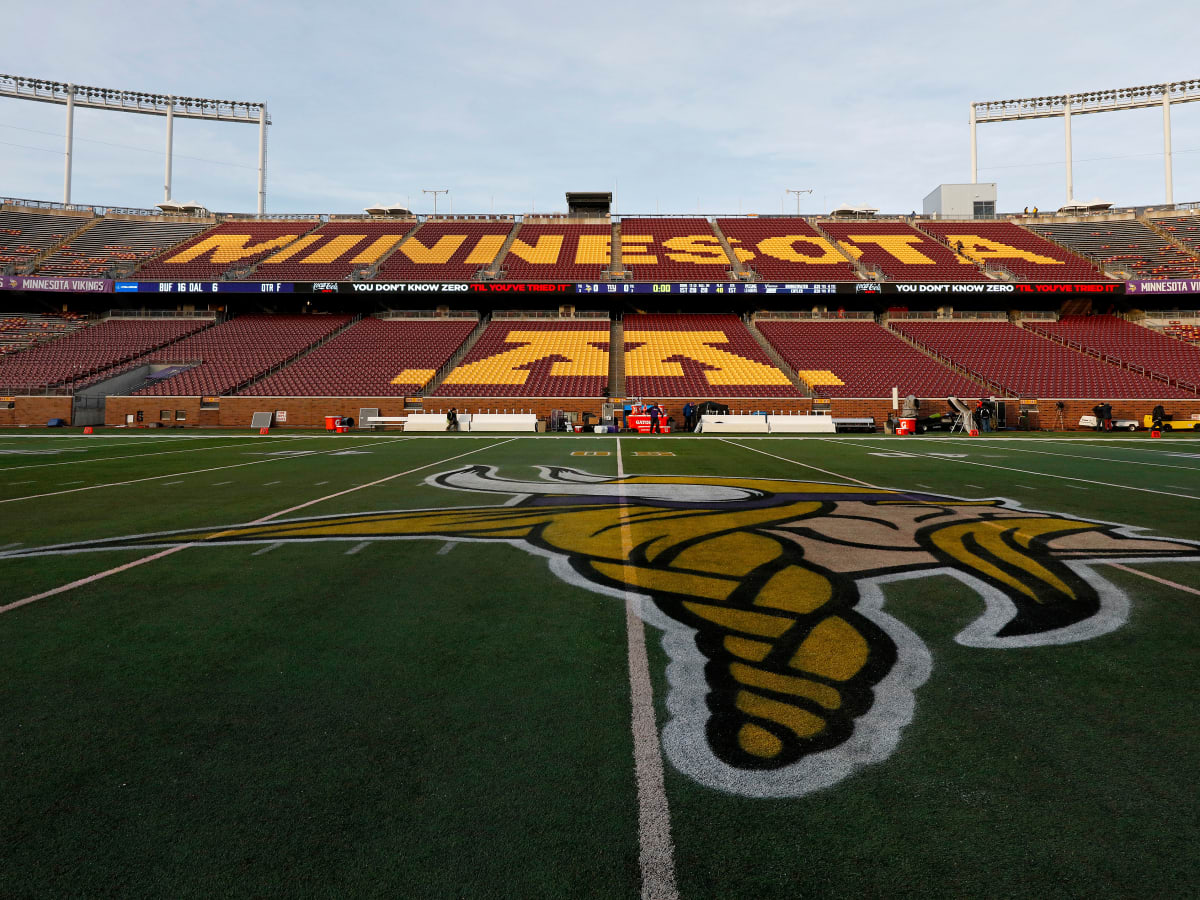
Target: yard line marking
x,y
1027,487
80,481
11,546
1089,481
356,548
267,549
656,849
164,484
1075,487
380,481
319,483
796,462
220,483
75,462
1124,462
446,547
91,579
978,487
93,487
269,483
926,486
1167,582
15,483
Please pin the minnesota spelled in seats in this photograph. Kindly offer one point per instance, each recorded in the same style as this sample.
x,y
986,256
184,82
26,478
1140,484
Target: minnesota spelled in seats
x,y
901,252
1023,253
371,358
558,253
860,359
119,243
231,245
93,353
698,356
333,251
1029,365
1125,245
673,250
786,250
236,351
446,251
534,358
1129,343
23,235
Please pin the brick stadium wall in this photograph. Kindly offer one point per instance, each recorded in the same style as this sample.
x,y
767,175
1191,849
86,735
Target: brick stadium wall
x,y
36,411
310,412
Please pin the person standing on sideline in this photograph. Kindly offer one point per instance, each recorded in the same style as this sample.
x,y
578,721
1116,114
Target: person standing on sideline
x,y
452,419
688,410
654,414
985,416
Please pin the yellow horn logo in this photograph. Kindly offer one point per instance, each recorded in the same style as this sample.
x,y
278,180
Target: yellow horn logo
x,y
786,674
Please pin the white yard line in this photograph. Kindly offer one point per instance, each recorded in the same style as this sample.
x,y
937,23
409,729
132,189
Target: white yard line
x,y
1167,582
1108,459
796,462
94,487
1090,482
91,579
76,462
657,849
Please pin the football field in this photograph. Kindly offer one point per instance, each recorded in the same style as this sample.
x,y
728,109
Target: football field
x,y
542,666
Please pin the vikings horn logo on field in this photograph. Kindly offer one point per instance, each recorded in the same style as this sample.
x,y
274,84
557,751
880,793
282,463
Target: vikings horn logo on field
x,y
786,673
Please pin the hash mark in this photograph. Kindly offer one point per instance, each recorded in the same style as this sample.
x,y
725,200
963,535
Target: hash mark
x,y
357,547
219,483
447,547
165,483
267,549
319,483
269,483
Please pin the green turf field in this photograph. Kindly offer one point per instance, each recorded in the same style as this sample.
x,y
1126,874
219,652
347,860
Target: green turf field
x,y
389,665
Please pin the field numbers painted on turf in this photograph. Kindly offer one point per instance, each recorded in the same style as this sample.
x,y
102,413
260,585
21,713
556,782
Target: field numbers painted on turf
x,y
653,453
589,453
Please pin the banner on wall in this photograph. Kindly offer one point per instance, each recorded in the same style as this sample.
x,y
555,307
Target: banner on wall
x,y
69,285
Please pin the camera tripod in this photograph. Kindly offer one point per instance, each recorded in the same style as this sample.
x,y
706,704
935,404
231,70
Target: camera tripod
x,y
1060,423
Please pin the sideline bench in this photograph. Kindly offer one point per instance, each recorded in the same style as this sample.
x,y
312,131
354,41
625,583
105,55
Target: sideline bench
x,y
802,425
713,424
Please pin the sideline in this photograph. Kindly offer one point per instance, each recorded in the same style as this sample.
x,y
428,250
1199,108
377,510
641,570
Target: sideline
x,y
657,850
90,579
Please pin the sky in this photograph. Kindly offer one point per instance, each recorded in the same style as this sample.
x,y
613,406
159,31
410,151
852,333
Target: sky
x,y
706,106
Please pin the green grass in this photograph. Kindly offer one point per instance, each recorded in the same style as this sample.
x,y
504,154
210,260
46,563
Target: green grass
x,y
429,718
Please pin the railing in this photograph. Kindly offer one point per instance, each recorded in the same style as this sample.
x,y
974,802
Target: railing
x,y
1037,315
816,315
987,315
546,314
160,314
427,314
1173,314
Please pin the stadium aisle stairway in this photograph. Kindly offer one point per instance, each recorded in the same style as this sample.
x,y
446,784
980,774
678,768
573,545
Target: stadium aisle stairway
x,y
698,357
558,253
1132,344
446,251
860,359
333,251
231,245
1029,365
115,242
1127,245
786,249
901,252
673,250
1023,253
534,358
371,358
236,351
93,353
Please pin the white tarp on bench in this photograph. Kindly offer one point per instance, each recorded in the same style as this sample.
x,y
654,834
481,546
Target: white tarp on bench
x,y
715,424
503,422
802,425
